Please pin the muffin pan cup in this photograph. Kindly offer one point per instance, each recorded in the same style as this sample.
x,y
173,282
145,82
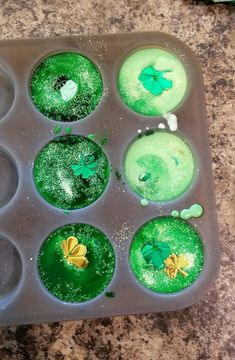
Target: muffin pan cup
x,y
27,219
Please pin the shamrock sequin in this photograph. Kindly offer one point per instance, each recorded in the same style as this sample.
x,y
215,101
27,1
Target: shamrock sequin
x,y
86,167
74,252
174,264
156,253
154,81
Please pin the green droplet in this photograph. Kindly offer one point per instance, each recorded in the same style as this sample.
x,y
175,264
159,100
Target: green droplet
x,y
144,202
110,294
68,130
91,136
57,129
175,213
66,212
196,210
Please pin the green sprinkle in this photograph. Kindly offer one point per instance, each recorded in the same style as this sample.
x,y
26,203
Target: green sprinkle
x,y
110,294
66,212
144,202
57,129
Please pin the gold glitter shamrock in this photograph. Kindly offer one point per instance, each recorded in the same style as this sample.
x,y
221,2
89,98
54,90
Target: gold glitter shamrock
x,y
74,253
175,263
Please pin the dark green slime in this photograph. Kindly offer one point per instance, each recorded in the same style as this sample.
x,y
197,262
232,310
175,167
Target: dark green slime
x,y
57,182
66,281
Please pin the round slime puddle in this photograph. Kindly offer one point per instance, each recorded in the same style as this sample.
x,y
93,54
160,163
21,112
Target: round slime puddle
x,y
71,172
166,255
152,81
10,270
159,166
9,177
66,87
76,269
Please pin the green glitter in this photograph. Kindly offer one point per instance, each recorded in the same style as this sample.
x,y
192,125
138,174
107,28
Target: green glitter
x,y
182,239
144,202
56,181
68,130
153,154
142,100
66,281
66,87
154,81
110,294
57,129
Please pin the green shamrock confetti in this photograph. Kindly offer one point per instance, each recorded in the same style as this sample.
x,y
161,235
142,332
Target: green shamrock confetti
x,y
86,167
154,81
156,253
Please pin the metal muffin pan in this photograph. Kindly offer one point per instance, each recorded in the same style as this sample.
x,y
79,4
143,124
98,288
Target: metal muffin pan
x,y
26,219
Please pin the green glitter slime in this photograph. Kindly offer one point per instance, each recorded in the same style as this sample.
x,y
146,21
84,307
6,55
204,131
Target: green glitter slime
x,y
156,155
66,281
182,239
66,87
56,181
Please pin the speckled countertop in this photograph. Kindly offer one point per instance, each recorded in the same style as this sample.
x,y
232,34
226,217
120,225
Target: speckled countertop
x,y
205,330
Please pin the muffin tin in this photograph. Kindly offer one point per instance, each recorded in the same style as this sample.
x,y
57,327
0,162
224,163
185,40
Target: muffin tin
x,y
26,219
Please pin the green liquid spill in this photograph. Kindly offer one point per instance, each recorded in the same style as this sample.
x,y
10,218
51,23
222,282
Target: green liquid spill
x,y
196,210
182,239
140,99
66,281
151,169
66,87
56,181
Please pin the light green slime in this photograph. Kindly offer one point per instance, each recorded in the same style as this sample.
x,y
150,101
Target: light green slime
x,y
137,97
167,159
195,210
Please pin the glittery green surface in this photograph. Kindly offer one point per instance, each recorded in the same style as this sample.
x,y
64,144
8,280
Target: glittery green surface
x,y
57,182
50,87
182,239
66,281
136,96
167,160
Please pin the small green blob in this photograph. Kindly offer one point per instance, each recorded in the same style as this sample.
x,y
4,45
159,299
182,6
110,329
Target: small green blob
x,y
110,294
118,175
57,129
195,210
145,176
91,136
104,140
66,212
144,202
68,130
175,213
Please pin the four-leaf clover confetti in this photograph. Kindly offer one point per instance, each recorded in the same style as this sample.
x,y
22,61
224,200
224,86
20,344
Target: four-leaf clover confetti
x,y
174,264
74,252
154,81
86,167
156,253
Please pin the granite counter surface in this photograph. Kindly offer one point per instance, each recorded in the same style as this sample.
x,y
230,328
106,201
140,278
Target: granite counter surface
x,y
203,331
